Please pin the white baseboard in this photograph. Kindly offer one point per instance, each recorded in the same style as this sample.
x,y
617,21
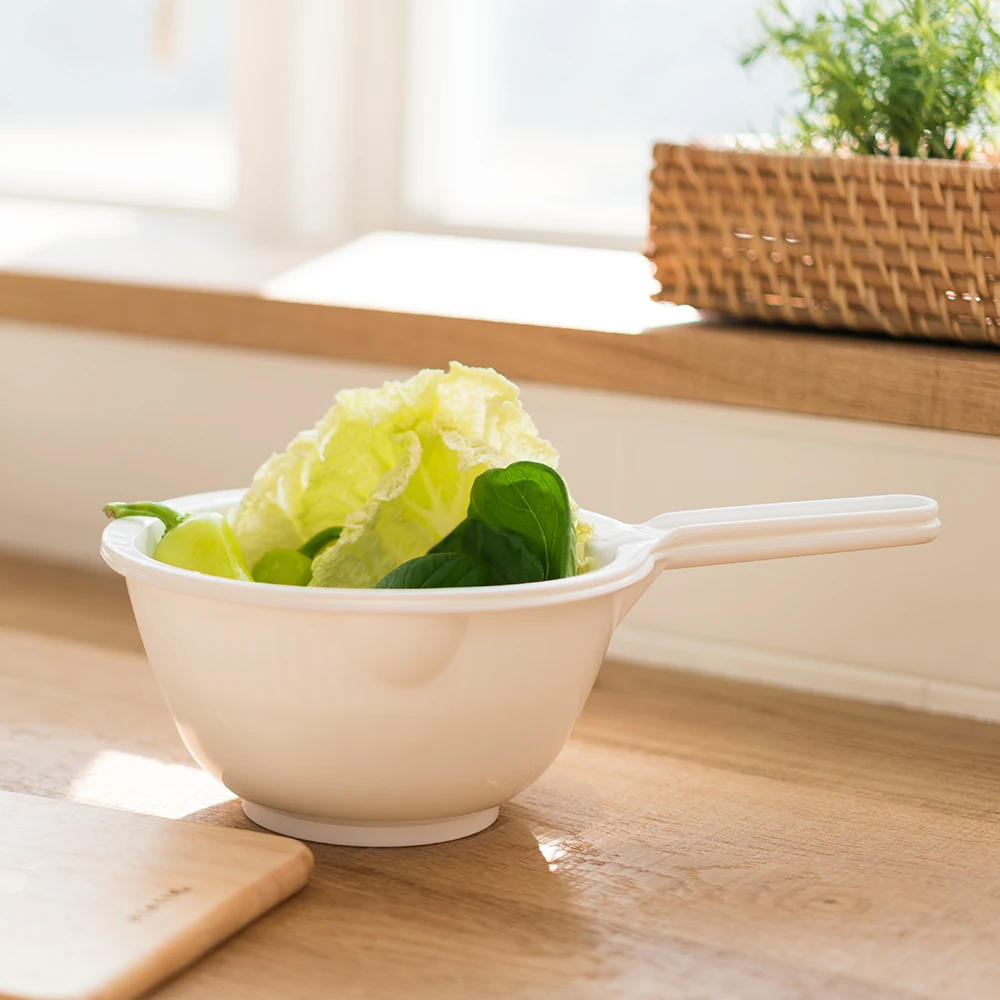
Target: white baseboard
x,y
767,666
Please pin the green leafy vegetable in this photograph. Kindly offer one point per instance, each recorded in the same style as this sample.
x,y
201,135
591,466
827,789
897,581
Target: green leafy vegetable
x,y
531,500
519,530
440,569
885,77
505,551
393,465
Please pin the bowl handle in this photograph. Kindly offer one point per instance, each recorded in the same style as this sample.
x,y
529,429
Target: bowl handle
x,y
777,530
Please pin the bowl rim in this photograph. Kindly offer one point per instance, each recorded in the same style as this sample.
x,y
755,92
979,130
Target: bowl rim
x,y
631,564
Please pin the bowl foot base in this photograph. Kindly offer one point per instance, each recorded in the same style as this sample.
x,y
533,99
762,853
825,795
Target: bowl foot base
x,y
351,833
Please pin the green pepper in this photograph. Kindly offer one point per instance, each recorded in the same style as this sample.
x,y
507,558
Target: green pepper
x,y
204,543
293,567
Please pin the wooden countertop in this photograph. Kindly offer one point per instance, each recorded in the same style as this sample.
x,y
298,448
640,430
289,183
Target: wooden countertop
x,y
696,838
565,315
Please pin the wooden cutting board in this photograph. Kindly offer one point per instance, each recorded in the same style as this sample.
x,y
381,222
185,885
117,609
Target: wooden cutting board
x,y
97,904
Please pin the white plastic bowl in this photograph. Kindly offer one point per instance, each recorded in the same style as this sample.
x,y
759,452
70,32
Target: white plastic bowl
x,y
391,718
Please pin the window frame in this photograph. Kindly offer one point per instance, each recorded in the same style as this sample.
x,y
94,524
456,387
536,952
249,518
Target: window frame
x,y
322,113
325,167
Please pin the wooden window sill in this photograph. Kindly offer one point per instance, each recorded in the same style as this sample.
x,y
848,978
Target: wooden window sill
x,y
564,315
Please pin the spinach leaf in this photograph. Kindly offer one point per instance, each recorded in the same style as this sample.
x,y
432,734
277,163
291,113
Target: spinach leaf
x,y
440,569
505,551
453,541
519,530
531,500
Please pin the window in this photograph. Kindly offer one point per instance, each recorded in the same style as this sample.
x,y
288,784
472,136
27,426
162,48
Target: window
x,y
524,118
540,114
116,100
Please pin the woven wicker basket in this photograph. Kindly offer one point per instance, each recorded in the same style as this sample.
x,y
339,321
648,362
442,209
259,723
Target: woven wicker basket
x,y
904,247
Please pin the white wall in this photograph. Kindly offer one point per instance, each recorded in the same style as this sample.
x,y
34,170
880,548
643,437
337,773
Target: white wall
x,y
86,418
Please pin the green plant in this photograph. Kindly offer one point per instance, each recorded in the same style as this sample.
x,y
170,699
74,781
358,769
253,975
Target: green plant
x,y
394,467
530,499
519,530
891,77
504,550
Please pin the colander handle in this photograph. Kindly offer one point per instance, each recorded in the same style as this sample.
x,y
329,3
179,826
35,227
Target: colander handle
x,y
778,530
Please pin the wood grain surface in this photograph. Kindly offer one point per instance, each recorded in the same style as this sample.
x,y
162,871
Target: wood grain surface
x,y
102,904
66,600
696,839
944,387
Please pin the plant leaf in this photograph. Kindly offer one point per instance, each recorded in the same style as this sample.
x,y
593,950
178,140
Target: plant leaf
x,y
529,499
439,569
394,466
505,551
891,77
